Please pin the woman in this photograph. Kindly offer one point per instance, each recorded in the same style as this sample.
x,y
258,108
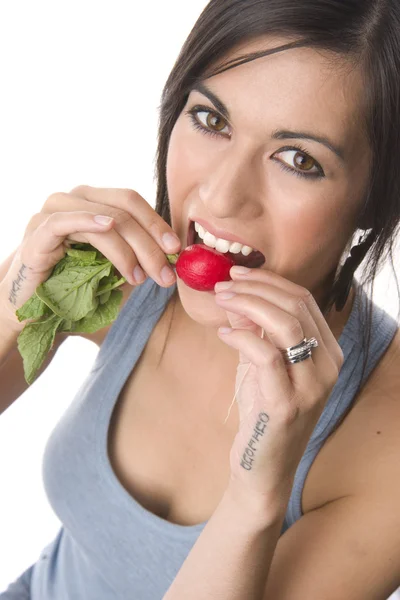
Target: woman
x,y
280,131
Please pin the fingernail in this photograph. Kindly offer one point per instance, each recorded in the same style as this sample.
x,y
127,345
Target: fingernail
x,y
102,219
167,275
224,296
240,270
225,330
138,274
223,285
170,241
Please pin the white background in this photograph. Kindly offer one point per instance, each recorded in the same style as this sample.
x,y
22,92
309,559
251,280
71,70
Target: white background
x,y
80,87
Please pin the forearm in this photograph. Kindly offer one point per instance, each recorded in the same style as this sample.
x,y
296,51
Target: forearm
x,y
232,556
6,264
10,327
8,340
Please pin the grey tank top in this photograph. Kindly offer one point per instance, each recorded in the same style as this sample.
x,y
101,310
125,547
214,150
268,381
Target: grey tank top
x,y
109,546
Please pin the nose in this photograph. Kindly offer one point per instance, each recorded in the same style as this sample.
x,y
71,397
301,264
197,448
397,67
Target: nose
x,y
232,186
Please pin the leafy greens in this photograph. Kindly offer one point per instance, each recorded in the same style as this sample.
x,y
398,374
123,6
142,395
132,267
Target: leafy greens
x,y
80,296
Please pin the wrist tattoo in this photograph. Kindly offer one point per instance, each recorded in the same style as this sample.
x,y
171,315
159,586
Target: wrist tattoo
x,y
16,285
248,455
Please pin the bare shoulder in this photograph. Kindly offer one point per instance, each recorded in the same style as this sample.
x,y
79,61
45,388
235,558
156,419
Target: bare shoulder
x,y
352,528
385,379
369,435
361,456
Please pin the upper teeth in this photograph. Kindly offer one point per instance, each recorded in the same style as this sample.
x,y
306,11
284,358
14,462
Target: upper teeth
x,y
220,244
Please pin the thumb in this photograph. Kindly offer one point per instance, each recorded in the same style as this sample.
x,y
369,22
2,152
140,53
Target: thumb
x,y
242,322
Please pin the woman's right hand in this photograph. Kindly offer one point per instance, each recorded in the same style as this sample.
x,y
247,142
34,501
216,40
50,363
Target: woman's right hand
x,y
133,238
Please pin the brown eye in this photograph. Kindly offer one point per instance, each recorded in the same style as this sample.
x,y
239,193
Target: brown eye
x,y
299,162
208,121
303,161
215,122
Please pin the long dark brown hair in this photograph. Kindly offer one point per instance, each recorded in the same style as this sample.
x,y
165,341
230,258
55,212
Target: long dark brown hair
x,y
365,31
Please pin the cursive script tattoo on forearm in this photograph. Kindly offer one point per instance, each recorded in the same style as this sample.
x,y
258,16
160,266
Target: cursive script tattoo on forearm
x,y
248,455
16,285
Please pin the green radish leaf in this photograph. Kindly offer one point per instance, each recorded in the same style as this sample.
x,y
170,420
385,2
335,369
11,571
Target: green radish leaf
x,y
91,312
65,325
71,293
109,283
104,315
79,296
106,283
84,256
104,297
88,248
34,308
79,258
34,342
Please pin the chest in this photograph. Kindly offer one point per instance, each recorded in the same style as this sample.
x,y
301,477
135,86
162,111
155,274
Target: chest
x,y
172,459
169,447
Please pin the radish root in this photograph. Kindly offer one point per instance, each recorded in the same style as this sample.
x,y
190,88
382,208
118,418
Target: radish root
x,y
240,384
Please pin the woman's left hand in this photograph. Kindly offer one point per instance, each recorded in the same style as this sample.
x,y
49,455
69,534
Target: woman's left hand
x,y
279,403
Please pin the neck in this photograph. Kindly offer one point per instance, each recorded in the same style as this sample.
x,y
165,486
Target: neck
x,y
337,320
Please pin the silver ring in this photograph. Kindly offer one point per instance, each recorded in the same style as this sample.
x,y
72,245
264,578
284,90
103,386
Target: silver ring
x,y
300,352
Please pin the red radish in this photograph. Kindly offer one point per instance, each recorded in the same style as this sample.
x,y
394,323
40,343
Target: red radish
x,y
201,267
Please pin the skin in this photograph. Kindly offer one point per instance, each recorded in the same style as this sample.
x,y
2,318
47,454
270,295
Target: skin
x,y
236,181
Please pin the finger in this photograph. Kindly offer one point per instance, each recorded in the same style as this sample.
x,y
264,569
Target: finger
x,y
134,204
52,230
293,306
291,288
284,330
79,226
274,378
141,248
148,253
130,251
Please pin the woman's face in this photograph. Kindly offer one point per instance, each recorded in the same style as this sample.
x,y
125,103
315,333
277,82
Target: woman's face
x,y
286,172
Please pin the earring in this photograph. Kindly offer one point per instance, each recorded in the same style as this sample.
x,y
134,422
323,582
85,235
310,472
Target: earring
x,y
345,280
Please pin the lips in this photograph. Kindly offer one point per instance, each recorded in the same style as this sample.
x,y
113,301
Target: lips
x,y
254,260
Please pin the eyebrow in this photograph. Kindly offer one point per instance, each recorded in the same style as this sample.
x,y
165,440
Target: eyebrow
x,y
281,134
199,86
304,135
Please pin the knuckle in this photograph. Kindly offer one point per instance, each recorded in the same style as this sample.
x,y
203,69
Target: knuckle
x,y
153,225
155,253
129,196
275,359
54,200
120,215
306,296
288,411
53,196
295,328
49,220
34,222
299,306
79,190
128,263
